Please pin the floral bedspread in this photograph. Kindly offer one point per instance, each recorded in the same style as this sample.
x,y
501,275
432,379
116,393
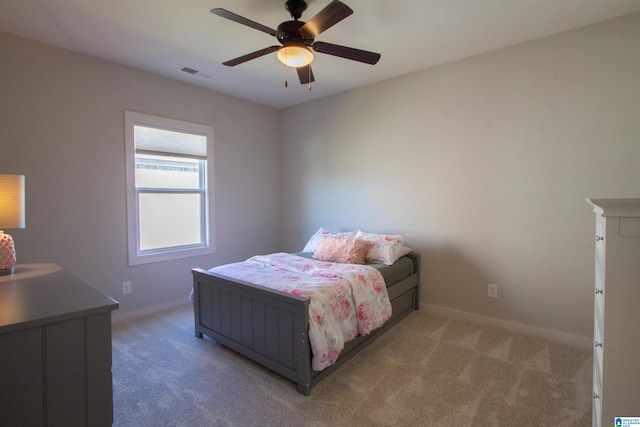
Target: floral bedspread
x,y
346,300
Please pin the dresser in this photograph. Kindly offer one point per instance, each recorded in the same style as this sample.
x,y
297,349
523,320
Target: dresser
x,y
616,355
55,350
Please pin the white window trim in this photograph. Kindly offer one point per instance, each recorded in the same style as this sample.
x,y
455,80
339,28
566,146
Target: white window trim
x,y
135,256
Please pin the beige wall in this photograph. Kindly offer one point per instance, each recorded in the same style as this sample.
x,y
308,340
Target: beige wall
x,y
61,125
485,162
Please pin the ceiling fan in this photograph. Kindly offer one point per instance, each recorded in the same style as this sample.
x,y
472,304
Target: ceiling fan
x,y
297,38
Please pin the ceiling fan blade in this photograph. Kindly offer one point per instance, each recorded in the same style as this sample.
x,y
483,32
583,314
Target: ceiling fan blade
x,y
347,52
305,74
250,56
244,21
333,13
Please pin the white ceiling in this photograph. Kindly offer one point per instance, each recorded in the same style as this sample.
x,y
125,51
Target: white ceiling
x,y
161,36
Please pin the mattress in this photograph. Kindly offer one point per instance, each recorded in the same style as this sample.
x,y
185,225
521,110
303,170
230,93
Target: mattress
x,y
392,274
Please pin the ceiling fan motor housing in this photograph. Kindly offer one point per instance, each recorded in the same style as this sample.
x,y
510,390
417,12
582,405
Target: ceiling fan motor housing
x,y
289,34
295,8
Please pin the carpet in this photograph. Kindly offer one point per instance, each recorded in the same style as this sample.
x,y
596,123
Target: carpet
x,y
428,370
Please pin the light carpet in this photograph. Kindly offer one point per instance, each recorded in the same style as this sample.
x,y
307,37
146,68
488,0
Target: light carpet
x,y
426,371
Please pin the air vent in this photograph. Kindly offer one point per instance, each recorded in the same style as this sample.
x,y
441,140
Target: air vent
x,y
189,70
198,73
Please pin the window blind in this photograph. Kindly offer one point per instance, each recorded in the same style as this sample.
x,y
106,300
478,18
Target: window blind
x,y
161,140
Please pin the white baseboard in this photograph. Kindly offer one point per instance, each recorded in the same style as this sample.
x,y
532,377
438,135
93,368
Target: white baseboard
x,y
128,316
505,324
118,318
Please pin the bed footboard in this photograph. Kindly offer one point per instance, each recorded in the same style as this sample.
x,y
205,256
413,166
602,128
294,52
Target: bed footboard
x,y
265,325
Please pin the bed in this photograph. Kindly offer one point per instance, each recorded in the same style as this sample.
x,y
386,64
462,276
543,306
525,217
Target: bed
x,y
271,327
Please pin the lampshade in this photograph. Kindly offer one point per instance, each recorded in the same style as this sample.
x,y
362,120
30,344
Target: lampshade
x,y
295,56
11,201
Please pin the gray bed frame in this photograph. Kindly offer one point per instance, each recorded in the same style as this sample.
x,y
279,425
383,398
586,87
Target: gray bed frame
x,y
271,327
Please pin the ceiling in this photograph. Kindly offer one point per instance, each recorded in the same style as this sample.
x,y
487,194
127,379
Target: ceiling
x,y
162,36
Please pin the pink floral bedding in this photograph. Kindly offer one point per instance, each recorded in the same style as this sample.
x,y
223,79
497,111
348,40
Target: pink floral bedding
x,y
346,300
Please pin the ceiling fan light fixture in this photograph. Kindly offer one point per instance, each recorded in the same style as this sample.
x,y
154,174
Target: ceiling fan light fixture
x,y
295,56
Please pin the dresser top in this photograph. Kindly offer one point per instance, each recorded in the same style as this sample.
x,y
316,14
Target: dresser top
x,y
616,207
38,294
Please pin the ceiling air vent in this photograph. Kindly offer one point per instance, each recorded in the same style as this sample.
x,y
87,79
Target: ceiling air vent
x,y
194,72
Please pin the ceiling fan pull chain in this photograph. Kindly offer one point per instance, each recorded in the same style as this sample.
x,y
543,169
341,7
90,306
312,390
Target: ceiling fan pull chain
x,y
309,87
286,81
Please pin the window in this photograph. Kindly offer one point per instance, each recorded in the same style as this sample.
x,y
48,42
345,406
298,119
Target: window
x,y
169,201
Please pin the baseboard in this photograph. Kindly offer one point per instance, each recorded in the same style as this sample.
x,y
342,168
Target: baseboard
x,y
128,316
505,324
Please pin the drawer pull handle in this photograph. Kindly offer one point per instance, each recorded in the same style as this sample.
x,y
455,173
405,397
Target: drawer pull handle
x,y
599,238
599,291
598,344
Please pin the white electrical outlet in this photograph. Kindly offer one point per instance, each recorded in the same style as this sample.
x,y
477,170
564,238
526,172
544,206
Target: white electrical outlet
x,y
126,287
493,291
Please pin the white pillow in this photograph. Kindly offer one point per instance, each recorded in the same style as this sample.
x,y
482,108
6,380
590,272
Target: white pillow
x,y
312,244
405,250
386,247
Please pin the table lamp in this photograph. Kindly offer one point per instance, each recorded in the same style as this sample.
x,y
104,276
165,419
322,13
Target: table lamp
x,y
11,216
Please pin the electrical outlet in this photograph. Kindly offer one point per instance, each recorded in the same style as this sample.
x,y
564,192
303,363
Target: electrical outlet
x,y
493,291
126,287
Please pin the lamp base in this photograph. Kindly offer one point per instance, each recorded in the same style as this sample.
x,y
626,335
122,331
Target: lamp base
x,y
6,271
7,253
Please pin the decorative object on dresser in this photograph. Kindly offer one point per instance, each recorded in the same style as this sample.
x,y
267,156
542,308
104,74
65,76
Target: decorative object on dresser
x,y
11,216
55,349
616,355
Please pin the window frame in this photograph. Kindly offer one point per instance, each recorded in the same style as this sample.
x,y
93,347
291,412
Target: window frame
x,y
136,256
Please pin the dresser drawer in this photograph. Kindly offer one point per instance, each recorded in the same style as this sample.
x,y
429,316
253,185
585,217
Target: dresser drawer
x,y
599,295
601,225
598,346
601,230
597,398
596,410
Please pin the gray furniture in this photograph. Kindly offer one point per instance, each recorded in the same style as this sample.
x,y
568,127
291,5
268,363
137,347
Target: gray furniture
x,y
271,327
55,350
